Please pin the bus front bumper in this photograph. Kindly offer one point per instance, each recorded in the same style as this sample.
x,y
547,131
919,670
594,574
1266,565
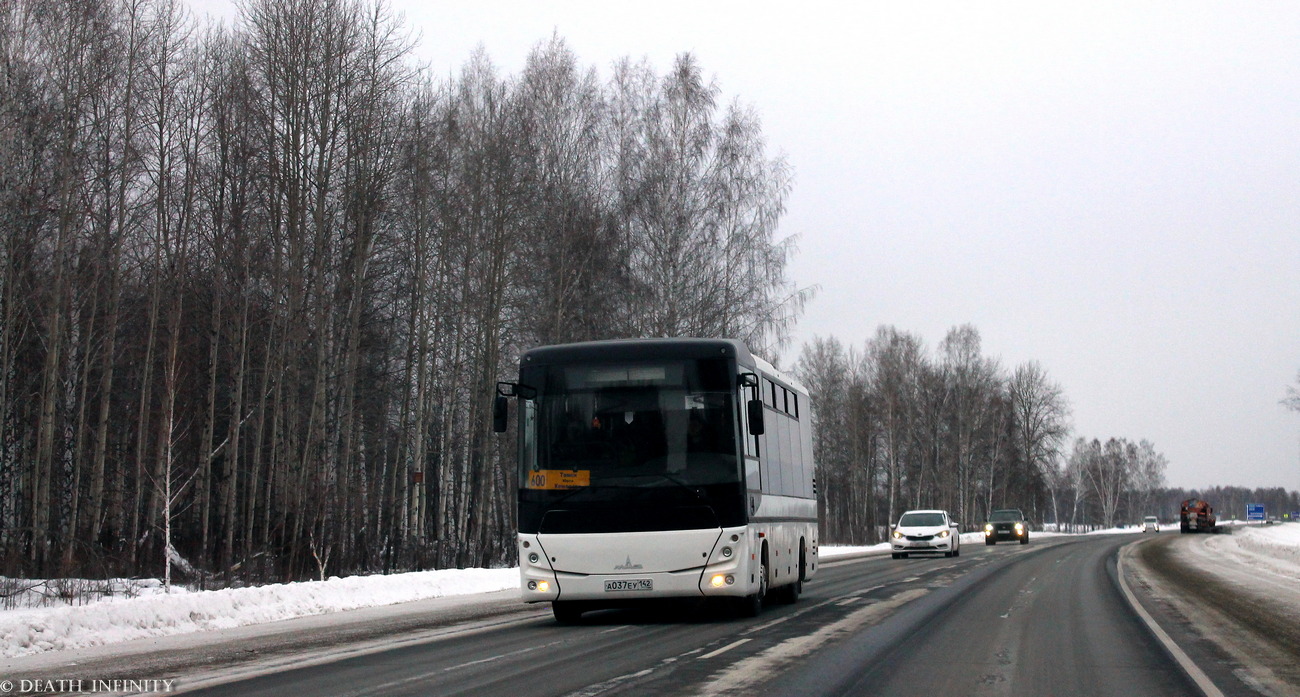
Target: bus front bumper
x,y
722,576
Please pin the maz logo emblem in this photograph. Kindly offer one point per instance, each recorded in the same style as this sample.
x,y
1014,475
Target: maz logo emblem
x,y
628,565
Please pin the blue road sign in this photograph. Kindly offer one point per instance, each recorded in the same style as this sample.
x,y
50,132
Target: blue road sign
x,y
1254,511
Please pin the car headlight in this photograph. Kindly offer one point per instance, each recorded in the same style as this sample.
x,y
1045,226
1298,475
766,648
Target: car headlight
x,y
898,535
944,533
1020,527
988,527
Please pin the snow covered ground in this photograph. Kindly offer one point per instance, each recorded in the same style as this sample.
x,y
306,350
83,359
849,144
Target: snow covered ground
x,y
153,614
1260,558
1274,553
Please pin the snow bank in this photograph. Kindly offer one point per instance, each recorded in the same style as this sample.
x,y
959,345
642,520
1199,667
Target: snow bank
x,y
29,631
1265,558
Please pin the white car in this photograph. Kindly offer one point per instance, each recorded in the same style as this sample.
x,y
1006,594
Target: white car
x,y
1150,524
925,531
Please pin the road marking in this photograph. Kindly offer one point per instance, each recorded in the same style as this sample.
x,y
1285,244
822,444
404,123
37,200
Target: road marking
x,y
598,688
724,649
1185,662
744,675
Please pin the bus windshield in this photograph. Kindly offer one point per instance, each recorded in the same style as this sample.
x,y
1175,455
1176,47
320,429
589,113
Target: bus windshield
x,y
627,447
631,425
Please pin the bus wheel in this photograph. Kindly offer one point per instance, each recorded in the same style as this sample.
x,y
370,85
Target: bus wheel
x,y
752,605
790,593
566,611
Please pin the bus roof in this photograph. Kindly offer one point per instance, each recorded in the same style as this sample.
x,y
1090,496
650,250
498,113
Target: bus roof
x,y
647,349
638,349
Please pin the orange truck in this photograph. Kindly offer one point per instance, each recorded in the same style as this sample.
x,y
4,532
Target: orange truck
x,y
1196,516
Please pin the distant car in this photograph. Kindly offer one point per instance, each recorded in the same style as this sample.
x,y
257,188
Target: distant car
x,y
1150,524
925,531
1006,524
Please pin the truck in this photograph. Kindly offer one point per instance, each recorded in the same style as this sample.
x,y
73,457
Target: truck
x,y
1196,516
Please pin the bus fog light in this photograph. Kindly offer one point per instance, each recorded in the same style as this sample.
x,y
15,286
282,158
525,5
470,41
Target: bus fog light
x,y
532,558
726,552
718,580
532,585
730,579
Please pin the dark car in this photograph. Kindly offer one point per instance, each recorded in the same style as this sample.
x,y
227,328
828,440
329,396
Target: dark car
x,y
1006,524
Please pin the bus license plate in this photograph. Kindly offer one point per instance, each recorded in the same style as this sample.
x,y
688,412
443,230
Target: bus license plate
x,y
631,584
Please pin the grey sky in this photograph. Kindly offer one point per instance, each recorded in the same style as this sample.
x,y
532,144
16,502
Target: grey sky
x,y
1110,188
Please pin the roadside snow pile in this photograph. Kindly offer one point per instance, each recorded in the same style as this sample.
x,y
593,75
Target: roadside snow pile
x,y
832,552
1272,551
1279,545
1264,559
29,631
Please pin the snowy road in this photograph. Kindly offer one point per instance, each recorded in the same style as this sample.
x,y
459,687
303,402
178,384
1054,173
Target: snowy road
x,y
1025,620
1046,618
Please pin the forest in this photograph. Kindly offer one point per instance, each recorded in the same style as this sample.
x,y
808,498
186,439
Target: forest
x,y
899,429
257,282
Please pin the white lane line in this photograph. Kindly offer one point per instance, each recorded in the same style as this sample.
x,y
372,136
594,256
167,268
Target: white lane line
x,y
746,675
723,650
600,688
1193,671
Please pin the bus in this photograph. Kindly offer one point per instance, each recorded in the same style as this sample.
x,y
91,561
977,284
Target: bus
x,y
660,468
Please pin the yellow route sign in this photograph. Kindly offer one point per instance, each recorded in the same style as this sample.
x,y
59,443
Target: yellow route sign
x,y
558,479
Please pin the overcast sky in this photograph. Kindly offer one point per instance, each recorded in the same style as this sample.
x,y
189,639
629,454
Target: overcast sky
x,y
1109,188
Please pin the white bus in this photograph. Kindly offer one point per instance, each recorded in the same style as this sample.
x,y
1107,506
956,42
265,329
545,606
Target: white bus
x,y
661,468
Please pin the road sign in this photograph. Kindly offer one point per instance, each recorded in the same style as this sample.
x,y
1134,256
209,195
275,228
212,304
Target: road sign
x,y
1254,511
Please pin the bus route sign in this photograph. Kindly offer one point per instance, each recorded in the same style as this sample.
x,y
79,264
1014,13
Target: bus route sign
x,y
1254,511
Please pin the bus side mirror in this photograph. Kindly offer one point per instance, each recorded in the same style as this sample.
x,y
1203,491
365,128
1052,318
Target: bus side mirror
x,y
500,413
755,407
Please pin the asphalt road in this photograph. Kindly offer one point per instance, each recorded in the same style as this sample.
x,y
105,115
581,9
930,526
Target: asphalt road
x,y
1041,619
